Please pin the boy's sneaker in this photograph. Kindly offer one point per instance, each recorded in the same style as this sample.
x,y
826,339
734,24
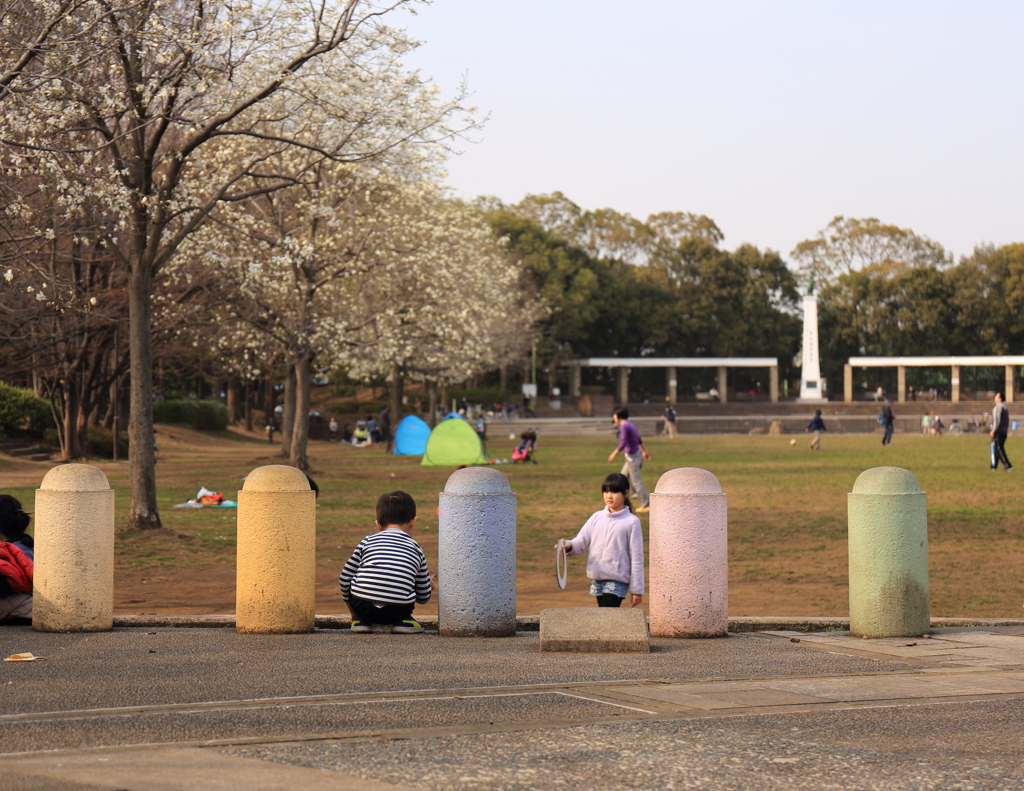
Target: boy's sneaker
x,y
361,627
408,626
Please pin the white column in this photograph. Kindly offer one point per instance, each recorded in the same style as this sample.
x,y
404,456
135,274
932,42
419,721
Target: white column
x,y
476,555
810,366
73,585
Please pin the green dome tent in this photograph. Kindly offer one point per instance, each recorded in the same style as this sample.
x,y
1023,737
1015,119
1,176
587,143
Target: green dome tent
x,y
451,443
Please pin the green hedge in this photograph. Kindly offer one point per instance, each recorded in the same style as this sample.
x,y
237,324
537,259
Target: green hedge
x,y
203,415
22,410
101,442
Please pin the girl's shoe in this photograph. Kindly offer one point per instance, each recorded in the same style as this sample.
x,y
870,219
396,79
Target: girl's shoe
x,y
408,626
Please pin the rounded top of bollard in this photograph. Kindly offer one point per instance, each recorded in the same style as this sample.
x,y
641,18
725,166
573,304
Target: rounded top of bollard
x,y
75,478
477,480
688,480
276,478
886,480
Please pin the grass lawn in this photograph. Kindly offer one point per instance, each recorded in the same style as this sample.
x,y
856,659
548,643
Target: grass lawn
x,y
787,517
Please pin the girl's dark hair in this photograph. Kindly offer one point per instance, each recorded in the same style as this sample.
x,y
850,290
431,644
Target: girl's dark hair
x,y
13,520
617,482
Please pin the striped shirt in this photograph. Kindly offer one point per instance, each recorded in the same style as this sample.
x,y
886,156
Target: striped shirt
x,y
387,567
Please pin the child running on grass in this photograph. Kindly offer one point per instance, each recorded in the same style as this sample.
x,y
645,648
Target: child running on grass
x,y
615,563
386,576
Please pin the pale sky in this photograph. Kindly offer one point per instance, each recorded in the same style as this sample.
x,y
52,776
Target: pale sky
x,y
771,118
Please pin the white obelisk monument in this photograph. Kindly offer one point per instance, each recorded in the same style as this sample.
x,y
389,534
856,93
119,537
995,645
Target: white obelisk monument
x,y
810,370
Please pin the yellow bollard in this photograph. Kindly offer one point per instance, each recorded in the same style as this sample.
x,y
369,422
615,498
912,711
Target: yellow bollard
x,y
73,588
275,589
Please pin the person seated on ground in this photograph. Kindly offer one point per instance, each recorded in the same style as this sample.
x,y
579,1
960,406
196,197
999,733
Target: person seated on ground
x,y
937,426
361,436
371,426
16,561
387,575
524,450
346,433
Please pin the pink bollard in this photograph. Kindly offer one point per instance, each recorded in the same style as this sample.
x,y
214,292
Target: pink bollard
x,y
689,576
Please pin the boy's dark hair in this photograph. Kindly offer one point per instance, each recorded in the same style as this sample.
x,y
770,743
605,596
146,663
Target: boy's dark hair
x,y
817,413
395,508
622,413
13,520
1001,396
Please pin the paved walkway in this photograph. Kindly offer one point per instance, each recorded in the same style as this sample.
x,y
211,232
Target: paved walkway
x,y
182,708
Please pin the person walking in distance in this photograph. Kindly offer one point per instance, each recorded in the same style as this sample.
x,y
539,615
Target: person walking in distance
x,y
670,421
888,419
1000,428
636,454
817,425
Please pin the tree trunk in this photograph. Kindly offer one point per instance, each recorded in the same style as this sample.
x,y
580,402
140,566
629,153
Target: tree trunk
x,y
142,513
247,406
37,380
72,444
234,399
432,415
269,396
503,377
397,391
288,424
300,433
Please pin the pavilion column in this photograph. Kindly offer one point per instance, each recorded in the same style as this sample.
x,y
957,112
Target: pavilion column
x,y
954,385
848,383
574,381
723,384
622,385
773,384
671,384
1008,392
901,383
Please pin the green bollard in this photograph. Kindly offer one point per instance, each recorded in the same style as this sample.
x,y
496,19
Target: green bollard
x,y
888,518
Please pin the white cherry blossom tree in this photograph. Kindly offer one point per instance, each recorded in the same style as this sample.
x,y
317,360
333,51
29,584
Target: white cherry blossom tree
x,y
140,120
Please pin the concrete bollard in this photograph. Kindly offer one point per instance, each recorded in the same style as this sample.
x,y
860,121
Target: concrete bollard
x,y
476,555
888,519
73,587
689,556
276,576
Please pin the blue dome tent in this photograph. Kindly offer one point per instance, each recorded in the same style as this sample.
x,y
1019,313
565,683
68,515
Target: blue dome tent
x,y
411,437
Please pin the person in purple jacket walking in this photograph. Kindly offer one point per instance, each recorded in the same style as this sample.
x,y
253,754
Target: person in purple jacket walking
x,y
636,454
615,563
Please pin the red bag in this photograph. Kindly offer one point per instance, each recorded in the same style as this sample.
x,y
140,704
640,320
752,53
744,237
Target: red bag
x,y
17,567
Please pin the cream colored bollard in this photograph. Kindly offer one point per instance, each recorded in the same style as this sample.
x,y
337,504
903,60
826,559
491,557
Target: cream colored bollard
x,y
476,555
275,589
73,587
888,541
689,556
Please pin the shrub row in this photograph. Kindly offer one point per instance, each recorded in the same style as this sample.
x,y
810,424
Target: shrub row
x,y
203,415
22,410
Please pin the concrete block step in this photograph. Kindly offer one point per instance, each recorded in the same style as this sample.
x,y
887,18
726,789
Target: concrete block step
x,y
594,630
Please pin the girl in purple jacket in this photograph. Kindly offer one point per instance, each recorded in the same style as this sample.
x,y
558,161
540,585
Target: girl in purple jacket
x,y
615,563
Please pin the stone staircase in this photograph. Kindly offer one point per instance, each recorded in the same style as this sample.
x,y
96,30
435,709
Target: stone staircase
x,y
25,449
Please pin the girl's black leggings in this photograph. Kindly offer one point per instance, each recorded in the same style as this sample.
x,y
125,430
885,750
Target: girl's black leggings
x,y
609,600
